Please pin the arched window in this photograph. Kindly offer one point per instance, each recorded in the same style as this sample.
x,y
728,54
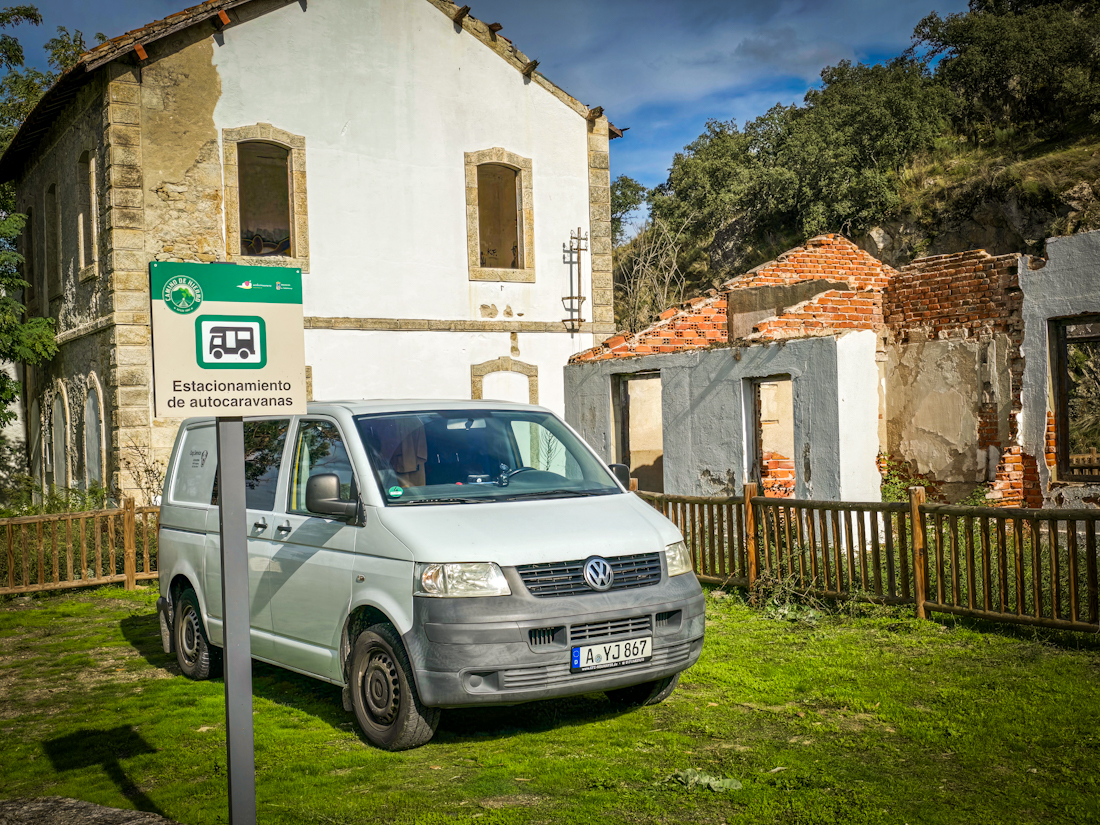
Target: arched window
x,y
93,428
53,244
263,181
498,199
85,219
60,426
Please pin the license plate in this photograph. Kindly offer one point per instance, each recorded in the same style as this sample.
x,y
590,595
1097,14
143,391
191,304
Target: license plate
x,y
611,654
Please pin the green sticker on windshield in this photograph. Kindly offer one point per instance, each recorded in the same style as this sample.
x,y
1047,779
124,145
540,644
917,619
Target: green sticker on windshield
x,y
395,492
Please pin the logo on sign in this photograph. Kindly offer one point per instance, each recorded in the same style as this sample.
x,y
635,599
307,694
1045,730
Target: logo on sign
x,y
598,574
182,294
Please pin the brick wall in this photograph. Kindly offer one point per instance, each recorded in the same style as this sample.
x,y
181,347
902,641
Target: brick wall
x,y
777,476
701,322
826,314
954,295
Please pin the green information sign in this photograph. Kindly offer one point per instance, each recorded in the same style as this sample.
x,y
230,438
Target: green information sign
x,y
227,340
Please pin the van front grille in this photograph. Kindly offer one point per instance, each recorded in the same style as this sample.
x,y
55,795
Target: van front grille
x,y
547,676
593,631
567,579
542,636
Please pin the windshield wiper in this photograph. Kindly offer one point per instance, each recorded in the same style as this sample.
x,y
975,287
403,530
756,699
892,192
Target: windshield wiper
x,y
560,493
444,500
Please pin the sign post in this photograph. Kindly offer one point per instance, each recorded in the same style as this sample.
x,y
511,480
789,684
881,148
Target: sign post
x,y
228,341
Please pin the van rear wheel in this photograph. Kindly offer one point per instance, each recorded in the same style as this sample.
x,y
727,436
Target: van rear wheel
x,y
198,659
384,695
647,693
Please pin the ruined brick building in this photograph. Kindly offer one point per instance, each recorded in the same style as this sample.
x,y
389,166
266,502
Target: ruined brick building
x,y
804,372
415,165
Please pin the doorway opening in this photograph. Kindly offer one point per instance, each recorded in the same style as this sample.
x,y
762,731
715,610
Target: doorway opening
x,y
639,428
773,436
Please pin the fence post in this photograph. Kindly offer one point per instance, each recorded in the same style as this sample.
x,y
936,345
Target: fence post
x,y
920,566
750,530
129,542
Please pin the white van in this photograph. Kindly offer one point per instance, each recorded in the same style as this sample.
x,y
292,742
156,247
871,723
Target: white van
x,y
429,555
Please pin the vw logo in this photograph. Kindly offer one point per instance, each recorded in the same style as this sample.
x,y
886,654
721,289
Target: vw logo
x,y
598,574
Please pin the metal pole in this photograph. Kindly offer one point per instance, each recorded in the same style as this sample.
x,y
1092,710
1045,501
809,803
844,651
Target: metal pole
x,y
235,628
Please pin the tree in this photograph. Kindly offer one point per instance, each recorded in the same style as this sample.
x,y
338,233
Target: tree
x,y
22,340
649,278
1014,62
626,196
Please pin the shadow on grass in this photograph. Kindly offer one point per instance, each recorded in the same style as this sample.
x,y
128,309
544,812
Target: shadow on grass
x,y
322,700
106,748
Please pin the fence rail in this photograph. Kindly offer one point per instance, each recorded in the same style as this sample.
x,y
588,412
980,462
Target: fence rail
x,y
1022,566
65,550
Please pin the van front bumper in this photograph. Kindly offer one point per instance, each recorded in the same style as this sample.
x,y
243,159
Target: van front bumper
x,y
483,651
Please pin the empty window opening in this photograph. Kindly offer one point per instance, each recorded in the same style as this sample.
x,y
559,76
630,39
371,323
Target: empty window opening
x,y
1077,397
59,467
263,183
53,243
640,429
498,205
93,440
773,400
85,220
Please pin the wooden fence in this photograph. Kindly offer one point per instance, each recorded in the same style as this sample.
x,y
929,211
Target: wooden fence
x,y
1012,565
64,550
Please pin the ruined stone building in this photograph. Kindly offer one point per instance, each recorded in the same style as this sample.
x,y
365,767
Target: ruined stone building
x,y
804,373
415,165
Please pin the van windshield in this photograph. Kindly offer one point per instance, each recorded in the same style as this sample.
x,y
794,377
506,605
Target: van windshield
x,y
478,456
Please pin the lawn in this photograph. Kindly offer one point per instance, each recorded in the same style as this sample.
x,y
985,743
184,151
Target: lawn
x,y
826,719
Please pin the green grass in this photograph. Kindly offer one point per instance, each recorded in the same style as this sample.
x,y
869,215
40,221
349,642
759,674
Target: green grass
x,y
872,719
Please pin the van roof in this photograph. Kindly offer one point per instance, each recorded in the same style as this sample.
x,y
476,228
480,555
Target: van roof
x,y
367,406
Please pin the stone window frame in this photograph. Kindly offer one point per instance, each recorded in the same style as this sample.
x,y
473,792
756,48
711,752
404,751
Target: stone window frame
x,y
523,166
299,213
89,269
504,364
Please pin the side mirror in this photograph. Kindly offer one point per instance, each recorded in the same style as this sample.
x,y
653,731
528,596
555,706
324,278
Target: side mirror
x,y
323,497
622,472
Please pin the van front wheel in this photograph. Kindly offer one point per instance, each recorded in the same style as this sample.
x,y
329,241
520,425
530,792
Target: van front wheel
x,y
198,659
384,695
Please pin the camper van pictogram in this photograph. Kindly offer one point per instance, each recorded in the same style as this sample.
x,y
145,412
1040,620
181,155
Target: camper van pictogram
x,y
239,341
230,342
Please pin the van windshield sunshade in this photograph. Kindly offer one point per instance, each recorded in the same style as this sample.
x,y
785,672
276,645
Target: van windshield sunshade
x,y
567,578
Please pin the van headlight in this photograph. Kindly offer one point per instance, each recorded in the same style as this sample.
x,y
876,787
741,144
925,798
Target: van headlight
x,y
459,580
679,559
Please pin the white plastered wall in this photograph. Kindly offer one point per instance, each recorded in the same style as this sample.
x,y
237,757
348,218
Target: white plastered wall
x,y
389,97
858,398
361,364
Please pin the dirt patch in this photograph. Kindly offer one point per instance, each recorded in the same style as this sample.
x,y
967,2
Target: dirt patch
x,y
56,810
514,801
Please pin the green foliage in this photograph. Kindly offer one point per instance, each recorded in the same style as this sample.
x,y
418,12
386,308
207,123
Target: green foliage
x,y
897,479
1083,368
22,340
1010,62
830,164
626,196
26,497
691,780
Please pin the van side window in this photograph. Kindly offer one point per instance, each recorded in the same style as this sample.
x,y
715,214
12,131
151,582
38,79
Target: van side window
x,y
319,449
263,454
196,467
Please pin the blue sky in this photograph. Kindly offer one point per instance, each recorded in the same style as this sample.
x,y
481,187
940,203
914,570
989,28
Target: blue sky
x,y
661,68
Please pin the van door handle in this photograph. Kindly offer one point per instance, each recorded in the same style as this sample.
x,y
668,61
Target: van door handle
x,y
260,525
283,528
